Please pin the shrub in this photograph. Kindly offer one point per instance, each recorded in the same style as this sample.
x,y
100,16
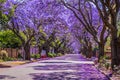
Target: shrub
x,y
35,56
107,57
19,56
54,55
0,56
32,55
107,65
9,39
104,62
1,60
4,56
51,54
59,54
9,59
3,53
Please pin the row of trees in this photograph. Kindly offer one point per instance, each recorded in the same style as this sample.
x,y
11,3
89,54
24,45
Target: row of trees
x,y
99,18
52,23
43,28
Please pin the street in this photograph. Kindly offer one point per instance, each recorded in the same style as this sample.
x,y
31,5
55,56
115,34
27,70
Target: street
x,y
68,67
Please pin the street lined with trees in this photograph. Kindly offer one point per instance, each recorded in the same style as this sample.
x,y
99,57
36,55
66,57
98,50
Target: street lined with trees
x,y
58,27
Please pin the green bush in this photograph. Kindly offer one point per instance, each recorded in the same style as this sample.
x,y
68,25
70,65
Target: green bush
x,y
54,55
35,56
107,65
19,56
1,56
1,60
9,59
51,54
32,55
104,62
107,57
59,54
9,40
4,56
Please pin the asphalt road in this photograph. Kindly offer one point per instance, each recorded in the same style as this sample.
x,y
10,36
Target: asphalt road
x,y
68,67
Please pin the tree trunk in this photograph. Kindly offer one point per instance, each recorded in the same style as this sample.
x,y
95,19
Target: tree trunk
x,y
114,42
118,52
101,50
114,50
55,50
40,49
27,52
47,50
84,51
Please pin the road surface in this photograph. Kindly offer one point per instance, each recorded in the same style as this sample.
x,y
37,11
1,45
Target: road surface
x,y
68,67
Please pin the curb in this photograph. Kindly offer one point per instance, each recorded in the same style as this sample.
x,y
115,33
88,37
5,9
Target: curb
x,y
102,73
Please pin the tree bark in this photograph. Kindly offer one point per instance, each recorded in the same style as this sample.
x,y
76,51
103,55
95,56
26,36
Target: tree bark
x,y
47,50
114,50
27,51
40,49
90,50
101,50
118,52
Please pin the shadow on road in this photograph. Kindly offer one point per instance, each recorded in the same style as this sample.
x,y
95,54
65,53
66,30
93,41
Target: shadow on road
x,y
67,72
65,76
6,77
4,66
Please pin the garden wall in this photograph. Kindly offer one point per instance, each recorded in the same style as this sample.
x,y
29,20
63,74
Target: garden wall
x,y
14,52
11,52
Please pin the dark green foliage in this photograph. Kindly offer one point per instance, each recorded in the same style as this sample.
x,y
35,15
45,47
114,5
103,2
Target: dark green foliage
x,y
4,56
32,55
2,1
20,56
59,54
51,54
9,40
9,59
107,65
35,56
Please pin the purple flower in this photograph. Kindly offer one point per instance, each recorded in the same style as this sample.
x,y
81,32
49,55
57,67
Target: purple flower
x,y
6,12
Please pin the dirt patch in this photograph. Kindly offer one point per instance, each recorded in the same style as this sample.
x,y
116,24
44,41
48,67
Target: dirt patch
x,y
12,63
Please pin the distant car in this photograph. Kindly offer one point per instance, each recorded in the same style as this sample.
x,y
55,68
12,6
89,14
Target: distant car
x,y
43,54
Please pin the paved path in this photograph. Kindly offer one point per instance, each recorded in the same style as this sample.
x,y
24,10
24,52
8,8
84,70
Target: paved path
x,y
68,67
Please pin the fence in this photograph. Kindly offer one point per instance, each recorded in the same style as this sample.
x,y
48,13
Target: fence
x,y
11,52
14,52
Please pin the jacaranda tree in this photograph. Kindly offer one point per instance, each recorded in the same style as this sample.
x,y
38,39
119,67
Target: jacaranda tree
x,y
26,24
89,18
108,11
